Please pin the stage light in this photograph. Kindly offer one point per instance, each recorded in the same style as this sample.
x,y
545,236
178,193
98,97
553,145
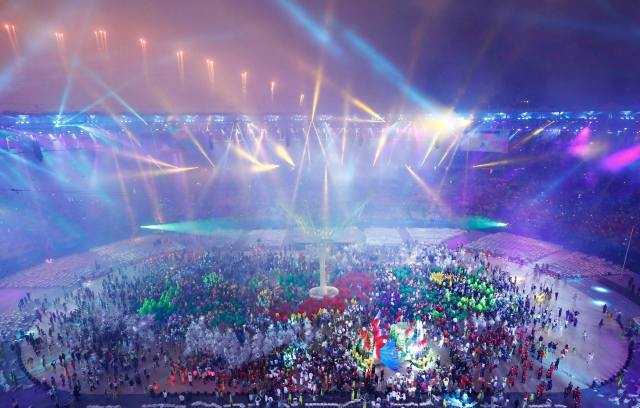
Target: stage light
x,y
358,103
198,227
449,122
282,153
110,93
386,69
600,289
536,132
158,172
318,33
243,154
432,145
262,168
598,303
381,143
503,162
514,134
621,159
198,146
482,223
429,192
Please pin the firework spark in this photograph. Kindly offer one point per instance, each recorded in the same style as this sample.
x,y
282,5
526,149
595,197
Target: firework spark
x,y
180,60
243,77
13,38
211,72
145,64
101,41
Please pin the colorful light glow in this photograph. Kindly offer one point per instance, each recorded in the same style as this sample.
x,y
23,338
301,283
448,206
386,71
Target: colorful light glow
x,y
536,132
320,144
147,159
431,194
282,153
161,172
454,143
621,159
600,289
434,139
448,122
503,162
258,140
360,104
301,100
316,31
198,227
344,92
243,154
381,142
584,147
579,146
316,92
482,223
199,146
263,168
306,149
514,134
110,93
386,69
70,71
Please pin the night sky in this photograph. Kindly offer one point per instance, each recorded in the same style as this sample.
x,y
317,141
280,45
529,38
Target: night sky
x,y
470,54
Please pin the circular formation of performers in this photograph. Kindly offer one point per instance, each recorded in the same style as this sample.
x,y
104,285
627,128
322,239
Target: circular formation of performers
x,y
412,322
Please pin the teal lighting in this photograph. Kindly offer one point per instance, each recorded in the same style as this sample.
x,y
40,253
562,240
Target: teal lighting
x,y
482,223
196,227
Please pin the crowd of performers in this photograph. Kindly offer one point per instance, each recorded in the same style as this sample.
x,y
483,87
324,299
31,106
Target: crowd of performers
x,y
241,323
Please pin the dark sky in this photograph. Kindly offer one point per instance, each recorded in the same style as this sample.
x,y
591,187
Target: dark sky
x,y
473,54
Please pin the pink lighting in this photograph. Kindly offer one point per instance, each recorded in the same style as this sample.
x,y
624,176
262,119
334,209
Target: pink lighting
x,y
621,159
579,147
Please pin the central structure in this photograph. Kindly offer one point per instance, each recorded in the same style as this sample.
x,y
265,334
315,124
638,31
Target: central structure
x,y
319,292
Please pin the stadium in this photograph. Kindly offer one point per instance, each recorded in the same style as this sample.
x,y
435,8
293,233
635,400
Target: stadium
x,y
266,204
